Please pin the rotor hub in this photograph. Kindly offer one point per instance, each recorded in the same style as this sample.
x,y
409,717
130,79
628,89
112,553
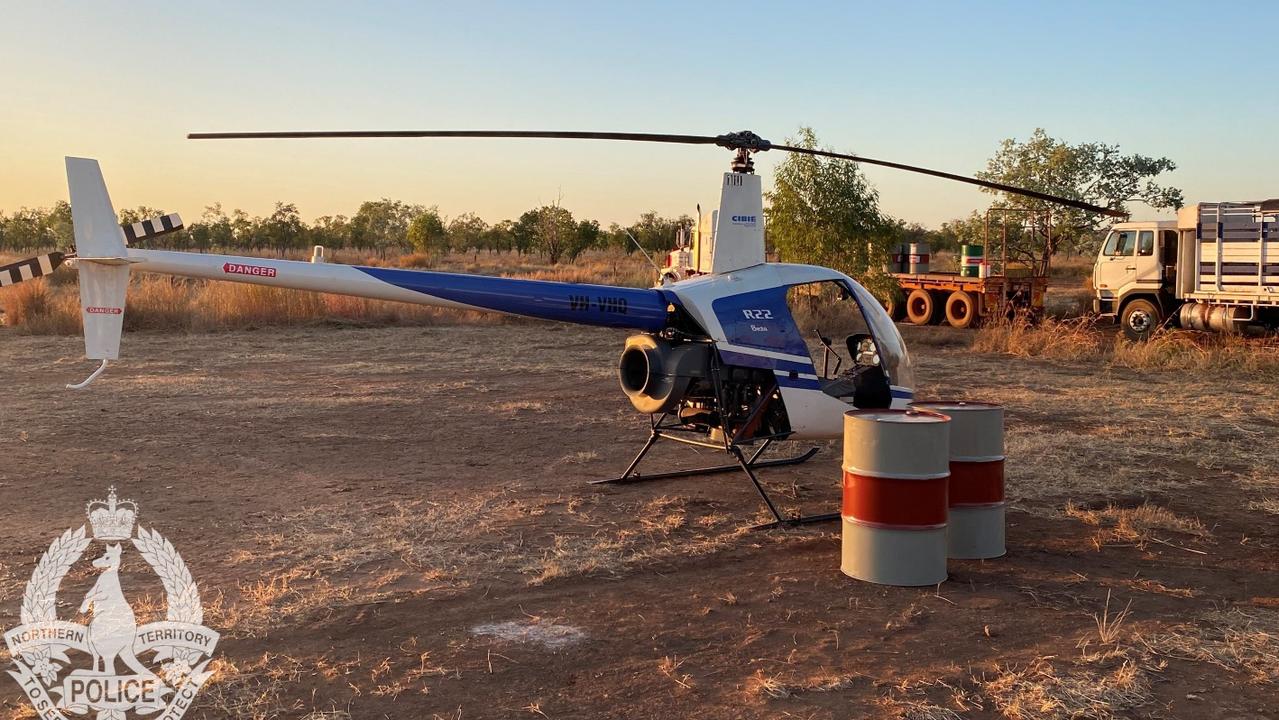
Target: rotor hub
x,y
745,143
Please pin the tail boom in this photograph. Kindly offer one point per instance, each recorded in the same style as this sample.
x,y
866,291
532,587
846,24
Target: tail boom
x,y
585,304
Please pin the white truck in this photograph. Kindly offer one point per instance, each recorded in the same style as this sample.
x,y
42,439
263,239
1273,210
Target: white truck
x,y
1216,267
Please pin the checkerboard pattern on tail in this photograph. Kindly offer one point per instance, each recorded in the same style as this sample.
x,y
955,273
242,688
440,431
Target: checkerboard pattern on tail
x,y
152,228
35,267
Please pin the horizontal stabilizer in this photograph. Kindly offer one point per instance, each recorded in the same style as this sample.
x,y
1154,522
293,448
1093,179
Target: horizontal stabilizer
x,y
153,228
30,268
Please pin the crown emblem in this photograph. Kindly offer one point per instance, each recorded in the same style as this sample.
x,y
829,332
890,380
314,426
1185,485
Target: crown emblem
x,y
112,519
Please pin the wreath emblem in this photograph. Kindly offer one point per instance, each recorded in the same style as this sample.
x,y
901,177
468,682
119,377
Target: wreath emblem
x,y
118,681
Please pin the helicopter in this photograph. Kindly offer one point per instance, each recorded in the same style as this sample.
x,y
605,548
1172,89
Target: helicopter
x,y
716,361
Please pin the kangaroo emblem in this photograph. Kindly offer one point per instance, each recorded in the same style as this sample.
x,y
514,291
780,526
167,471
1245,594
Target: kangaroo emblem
x,y
114,627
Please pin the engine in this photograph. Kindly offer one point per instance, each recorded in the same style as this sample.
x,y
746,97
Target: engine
x,y
686,380
657,374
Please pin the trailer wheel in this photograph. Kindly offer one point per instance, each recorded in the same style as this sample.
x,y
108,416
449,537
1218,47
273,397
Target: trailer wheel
x,y
895,308
921,308
1139,319
961,309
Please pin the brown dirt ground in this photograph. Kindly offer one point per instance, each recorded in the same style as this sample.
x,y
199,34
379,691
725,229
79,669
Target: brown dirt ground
x,y
357,504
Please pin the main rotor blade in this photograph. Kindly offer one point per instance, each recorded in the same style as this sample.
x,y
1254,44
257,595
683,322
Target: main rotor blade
x,y
960,178
733,141
549,134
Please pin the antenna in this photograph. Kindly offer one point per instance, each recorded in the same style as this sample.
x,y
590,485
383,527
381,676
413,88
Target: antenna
x,y
656,269
697,262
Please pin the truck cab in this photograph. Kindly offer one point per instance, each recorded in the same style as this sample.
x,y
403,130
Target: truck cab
x,y
1135,274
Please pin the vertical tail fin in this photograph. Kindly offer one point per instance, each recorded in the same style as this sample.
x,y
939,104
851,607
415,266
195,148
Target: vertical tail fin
x,y
102,260
739,229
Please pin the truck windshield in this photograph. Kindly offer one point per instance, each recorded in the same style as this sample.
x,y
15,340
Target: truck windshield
x,y
1120,242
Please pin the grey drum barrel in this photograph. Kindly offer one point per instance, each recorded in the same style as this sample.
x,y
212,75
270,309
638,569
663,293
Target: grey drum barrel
x,y
918,258
896,465
975,528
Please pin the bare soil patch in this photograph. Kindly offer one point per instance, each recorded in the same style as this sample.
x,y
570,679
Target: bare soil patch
x,y
396,522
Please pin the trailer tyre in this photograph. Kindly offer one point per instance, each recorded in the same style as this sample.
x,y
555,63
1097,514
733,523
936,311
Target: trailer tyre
x,y
921,307
961,309
895,308
1139,319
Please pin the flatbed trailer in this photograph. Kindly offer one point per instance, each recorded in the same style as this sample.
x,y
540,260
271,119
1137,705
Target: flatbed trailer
x,y
930,298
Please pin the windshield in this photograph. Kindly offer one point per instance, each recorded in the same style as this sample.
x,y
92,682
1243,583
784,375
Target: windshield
x,y
892,349
833,315
1120,243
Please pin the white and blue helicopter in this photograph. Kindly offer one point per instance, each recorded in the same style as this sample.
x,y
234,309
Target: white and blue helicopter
x,y
718,361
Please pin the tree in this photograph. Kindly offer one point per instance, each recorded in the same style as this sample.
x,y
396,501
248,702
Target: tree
x,y
501,236
824,212
466,232
331,231
554,232
427,234
586,237
654,233
524,231
283,229
58,225
243,230
383,224
1096,173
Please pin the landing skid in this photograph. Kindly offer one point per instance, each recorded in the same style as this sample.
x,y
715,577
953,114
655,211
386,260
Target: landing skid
x,y
742,463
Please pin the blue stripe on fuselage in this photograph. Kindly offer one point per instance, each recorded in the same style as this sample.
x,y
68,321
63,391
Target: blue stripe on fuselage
x,y
798,383
733,357
603,305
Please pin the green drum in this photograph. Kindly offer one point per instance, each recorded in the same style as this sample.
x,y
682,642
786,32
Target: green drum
x,y
971,258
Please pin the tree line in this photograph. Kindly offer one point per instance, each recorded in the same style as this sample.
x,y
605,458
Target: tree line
x,y
379,226
820,211
825,212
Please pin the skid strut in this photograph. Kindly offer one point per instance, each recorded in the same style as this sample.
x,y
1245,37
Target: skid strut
x,y
741,464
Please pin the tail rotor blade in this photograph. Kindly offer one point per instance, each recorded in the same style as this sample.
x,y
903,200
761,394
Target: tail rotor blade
x,y
29,269
151,229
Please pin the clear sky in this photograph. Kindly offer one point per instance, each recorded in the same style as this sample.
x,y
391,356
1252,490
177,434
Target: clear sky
x,y
929,83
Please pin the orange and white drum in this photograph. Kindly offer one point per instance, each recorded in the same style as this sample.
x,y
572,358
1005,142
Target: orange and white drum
x,y
896,467
976,524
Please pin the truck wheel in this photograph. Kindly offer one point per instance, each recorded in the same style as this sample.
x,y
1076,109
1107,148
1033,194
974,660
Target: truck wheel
x,y
920,307
896,308
961,309
1139,319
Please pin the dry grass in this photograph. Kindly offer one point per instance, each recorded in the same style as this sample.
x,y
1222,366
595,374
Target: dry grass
x,y
1215,352
1245,641
1109,686
162,303
171,304
1076,463
1136,524
1083,340
670,666
321,559
1110,625
1266,505
762,684
39,308
666,531
251,690
1054,339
